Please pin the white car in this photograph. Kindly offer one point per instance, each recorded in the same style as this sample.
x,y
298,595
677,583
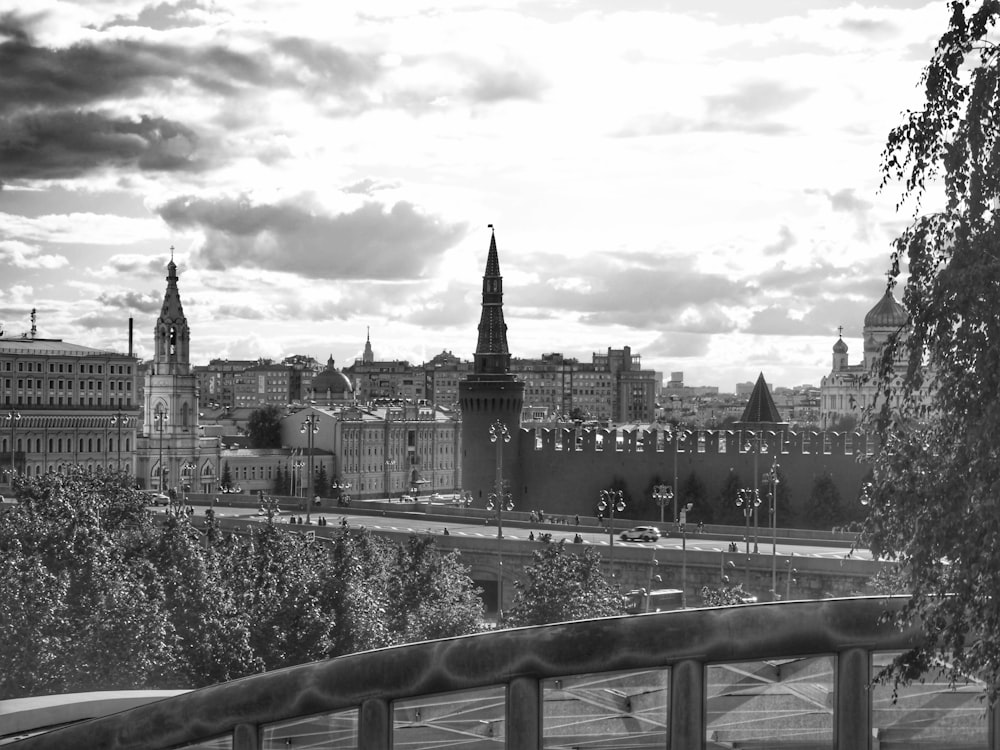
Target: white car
x,y
641,533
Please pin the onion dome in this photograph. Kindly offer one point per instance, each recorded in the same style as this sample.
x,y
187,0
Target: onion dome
x,y
840,347
887,313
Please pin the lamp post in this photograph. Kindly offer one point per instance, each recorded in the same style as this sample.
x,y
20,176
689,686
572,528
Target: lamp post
x,y
611,500
662,495
499,434
297,478
679,436
310,427
757,446
684,512
160,418
186,468
342,497
13,417
119,419
789,579
771,478
747,500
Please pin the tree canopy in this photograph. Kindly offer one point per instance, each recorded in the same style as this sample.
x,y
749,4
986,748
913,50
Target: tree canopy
x,y
264,427
96,592
935,500
560,586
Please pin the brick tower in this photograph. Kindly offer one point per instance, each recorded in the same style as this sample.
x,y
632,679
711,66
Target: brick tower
x,y
489,394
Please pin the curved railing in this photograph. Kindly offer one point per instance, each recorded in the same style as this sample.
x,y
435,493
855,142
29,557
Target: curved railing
x,y
786,674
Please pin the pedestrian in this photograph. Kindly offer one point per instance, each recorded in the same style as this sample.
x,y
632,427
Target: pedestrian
x,y
446,532
577,519
531,536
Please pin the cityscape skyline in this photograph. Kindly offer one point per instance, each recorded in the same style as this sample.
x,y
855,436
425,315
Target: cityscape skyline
x,y
325,172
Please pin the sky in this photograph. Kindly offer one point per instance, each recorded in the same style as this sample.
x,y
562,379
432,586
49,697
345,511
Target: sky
x,y
698,180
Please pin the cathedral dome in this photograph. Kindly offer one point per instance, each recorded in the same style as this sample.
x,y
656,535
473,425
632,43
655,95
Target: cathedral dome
x,y
331,380
887,313
840,347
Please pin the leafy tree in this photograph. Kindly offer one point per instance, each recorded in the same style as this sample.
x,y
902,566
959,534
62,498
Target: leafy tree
x,y
693,491
723,596
321,482
280,483
560,586
825,507
938,416
264,427
226,480
431,594
726,511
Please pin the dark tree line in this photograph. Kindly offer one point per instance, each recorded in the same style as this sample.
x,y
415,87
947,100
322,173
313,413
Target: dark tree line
x,y
96,592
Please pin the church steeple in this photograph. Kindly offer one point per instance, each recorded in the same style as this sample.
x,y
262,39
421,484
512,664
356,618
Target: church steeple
x,y
492,355
172,337
369,356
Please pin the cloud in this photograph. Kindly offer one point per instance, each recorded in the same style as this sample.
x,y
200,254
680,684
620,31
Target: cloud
x,y
783,244
746,106
370,186
678,346
53,145
101,320
869,27
161,16
369,243
145,303
22,255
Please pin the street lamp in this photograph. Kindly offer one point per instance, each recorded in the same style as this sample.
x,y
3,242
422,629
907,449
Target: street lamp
x,y
757,446
789,579
684,512
772,480
499,434
678,436
13,417
310,427
186,468
342,497
160,418
748,500
663,494
611,500
119,419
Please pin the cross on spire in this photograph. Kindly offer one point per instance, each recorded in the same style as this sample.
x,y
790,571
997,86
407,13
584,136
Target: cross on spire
x,y
840,331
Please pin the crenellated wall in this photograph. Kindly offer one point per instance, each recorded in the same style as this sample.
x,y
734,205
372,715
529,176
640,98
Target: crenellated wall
x,y
564,469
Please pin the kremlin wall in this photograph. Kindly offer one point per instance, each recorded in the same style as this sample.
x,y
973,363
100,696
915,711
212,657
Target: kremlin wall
x,y
562,471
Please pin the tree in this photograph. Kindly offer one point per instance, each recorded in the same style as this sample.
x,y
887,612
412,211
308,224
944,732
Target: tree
x,y
321,482
725,509
693,491
280,486
560,586
825,508
226,480
938,417
264,427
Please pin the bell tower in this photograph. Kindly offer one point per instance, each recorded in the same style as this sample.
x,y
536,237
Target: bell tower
x,y
170,414
491,393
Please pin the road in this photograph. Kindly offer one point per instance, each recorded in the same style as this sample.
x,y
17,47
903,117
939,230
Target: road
x,y
417,525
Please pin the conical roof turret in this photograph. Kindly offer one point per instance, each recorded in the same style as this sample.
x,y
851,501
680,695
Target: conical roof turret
x,y
492,355
761,408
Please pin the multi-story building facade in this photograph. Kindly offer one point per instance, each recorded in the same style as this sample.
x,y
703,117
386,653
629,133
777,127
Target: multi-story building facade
x,y
263,384
65,404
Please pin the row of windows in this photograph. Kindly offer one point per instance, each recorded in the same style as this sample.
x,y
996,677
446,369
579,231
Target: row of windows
x,y
58,401
113,385
68,367
56,445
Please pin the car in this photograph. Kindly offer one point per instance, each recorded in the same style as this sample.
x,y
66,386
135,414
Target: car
x,y
641,533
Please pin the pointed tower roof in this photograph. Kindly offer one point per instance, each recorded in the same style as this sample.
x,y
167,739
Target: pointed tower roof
x,y
172,311
761,408
492,355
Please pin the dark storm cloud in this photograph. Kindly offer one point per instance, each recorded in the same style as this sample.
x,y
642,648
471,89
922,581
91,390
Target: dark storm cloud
x,y
52,145
146,303
369,243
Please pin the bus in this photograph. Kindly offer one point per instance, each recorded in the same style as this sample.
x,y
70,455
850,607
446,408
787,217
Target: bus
x,y
657,600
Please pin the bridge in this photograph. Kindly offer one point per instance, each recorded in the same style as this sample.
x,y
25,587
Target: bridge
x,y
794,675
808,564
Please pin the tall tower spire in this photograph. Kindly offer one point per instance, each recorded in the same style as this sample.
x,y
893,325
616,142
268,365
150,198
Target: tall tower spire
x,y
492,355
369,356
172,337
491,394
